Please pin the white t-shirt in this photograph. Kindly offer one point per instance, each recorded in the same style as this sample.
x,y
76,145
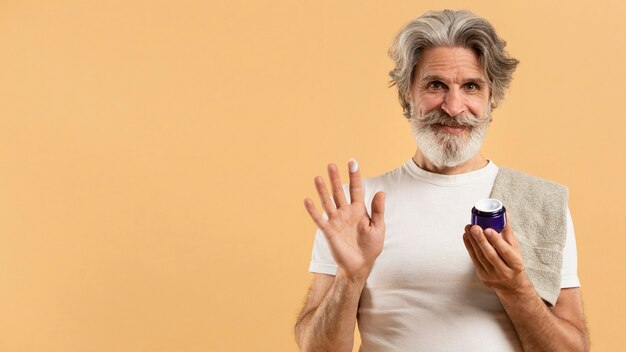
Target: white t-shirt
x,y
423,293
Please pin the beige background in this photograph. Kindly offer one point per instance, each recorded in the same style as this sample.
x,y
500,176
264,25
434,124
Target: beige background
x,y
154,156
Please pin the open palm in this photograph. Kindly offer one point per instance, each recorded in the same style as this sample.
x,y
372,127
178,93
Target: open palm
x,y
355,239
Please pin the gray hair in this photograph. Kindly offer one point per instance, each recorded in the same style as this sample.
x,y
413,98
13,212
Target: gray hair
x,y
450,28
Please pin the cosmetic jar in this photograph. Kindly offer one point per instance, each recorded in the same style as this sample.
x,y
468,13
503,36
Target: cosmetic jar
x,y
489,213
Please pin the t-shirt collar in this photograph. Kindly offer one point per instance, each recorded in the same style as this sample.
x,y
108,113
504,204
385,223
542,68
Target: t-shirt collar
x,y
450,180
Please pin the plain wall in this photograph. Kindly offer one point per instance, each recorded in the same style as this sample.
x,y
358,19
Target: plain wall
x,y
154,156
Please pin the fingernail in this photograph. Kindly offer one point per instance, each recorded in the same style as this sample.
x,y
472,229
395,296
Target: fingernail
x,y
475,231
354,166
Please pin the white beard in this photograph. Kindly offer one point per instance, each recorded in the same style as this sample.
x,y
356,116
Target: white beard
x,y
445,149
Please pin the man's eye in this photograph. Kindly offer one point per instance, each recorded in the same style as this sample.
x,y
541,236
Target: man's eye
x,y
472,86
435,85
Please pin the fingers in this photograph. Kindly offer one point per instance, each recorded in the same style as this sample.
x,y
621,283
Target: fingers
x,y
484,240
472,254
335,182
508,234
505,250
338,200
378,209
314,213
356,187
476,247
322,191
512,256
491,250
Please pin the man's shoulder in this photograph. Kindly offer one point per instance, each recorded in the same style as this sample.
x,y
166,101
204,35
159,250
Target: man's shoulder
x,y
515,178
387,178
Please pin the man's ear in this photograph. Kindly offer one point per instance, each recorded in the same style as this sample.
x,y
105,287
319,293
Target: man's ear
x,y
407,95
492,101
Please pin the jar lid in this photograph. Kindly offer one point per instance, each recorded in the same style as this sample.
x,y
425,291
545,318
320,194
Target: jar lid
x,y
489,205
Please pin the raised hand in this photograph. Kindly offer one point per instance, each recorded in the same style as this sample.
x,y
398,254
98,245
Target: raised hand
x,y
355,239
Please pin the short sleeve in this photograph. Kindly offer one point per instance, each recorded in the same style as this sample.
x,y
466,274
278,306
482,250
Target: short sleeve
x,y
569,270
321,259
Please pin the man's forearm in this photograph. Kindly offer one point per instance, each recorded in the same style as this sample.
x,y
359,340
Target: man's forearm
x,y
330,327
537,327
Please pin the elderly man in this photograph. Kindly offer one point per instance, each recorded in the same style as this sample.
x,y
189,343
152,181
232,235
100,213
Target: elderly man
x,y
396,252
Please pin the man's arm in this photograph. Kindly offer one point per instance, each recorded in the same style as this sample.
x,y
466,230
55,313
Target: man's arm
x,y
328,317
540,328
355,240
499,265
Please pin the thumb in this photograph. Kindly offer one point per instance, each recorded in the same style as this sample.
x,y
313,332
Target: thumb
x,y
378,209
508,234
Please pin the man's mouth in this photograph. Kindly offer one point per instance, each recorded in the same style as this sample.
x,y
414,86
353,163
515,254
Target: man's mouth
x,y
451,128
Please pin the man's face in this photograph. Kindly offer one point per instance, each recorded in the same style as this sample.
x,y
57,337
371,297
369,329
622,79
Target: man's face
x,y
450,105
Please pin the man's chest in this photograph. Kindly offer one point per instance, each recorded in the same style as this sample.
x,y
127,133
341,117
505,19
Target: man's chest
x,y
424,257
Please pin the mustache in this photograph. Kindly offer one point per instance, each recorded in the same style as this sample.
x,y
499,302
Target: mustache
x,y
442,118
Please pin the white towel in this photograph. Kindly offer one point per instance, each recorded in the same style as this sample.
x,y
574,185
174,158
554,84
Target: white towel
x,y
538,213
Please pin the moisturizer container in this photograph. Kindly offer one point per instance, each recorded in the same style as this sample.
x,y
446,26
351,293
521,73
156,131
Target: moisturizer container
x,y
489,213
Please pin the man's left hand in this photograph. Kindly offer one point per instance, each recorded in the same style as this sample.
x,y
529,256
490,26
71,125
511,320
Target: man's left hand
x,y
497,258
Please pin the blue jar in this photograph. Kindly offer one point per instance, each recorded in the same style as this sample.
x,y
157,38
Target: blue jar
x,y
489,213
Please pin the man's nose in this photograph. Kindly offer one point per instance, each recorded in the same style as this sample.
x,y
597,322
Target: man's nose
x,y
453,103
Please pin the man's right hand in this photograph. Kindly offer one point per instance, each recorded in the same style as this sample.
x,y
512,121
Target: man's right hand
x,y
355,239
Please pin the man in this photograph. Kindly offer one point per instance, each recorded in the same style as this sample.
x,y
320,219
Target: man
x,y
395,251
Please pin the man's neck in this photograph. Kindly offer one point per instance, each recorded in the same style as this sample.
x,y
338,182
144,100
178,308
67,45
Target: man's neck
x,y
473,164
